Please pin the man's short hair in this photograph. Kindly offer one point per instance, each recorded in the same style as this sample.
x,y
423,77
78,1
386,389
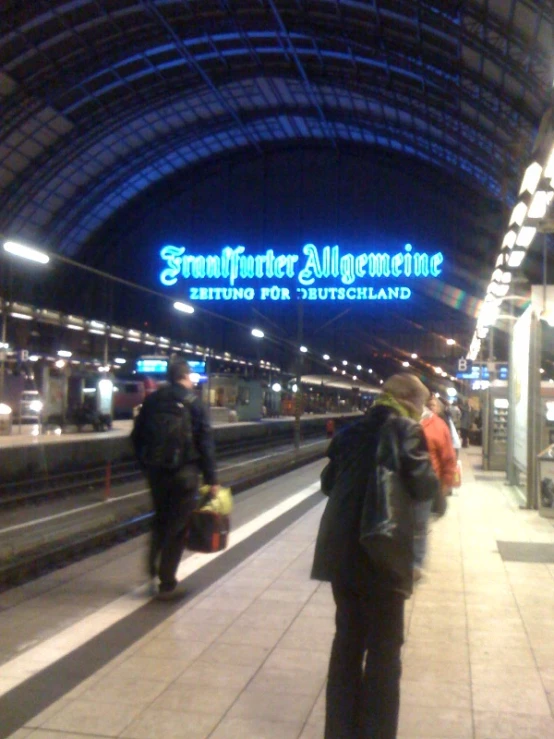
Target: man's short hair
x,y
177,370
406,387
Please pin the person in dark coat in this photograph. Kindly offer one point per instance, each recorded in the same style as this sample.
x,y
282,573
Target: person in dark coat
x,y
175,492
465,423
366,458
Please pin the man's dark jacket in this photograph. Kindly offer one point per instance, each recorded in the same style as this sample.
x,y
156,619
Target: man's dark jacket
x,y
203,453
383,439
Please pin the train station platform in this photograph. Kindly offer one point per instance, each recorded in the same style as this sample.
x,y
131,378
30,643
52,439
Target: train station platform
x,y
86,652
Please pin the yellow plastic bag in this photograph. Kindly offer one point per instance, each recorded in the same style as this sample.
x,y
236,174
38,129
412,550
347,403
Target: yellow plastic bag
x,y
222,503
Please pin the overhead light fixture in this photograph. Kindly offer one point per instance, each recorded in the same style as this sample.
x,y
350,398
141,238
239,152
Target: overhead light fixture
x,y
74,327
96,331
335,369
120,360
326,357
344,362
183,307
23,316
116,336
359,367
98,324
531,178
450,342
303,349
64,353
525,236
438,370
258,333
26,252
509,239
518,214
276,387
405,364
516,258
413,356
540,203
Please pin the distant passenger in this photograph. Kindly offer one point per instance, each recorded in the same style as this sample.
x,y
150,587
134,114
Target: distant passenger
x,y
173,442
465,423
443,459
370,461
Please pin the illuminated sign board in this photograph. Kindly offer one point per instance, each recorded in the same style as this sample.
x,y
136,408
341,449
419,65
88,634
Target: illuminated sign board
x,y
152,366
320,273
481,372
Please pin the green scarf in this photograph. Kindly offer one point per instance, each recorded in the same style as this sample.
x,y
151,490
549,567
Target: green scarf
x,y
400,408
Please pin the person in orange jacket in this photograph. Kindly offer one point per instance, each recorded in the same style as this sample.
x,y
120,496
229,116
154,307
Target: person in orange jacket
x,y
443,458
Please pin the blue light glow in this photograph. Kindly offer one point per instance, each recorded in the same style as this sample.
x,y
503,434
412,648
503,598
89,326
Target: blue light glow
x,y
315,265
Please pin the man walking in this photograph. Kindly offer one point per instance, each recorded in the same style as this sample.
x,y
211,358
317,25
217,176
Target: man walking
x,y
173,442
363,697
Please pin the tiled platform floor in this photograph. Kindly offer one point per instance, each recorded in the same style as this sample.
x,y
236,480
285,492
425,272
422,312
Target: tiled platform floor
x,y
248,657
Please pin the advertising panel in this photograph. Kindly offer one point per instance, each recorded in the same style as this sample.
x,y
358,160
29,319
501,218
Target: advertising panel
x,y
520,363
312,273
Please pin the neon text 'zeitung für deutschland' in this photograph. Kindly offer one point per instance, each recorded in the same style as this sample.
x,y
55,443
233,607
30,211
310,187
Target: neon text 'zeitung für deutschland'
x,y
233,263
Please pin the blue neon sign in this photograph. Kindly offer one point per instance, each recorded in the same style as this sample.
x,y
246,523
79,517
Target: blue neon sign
x,y
233,266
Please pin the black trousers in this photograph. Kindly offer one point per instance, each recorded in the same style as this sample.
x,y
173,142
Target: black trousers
x,y
174,497
363,687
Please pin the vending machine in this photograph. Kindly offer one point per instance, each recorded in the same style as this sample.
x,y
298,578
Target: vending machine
x,y
495,428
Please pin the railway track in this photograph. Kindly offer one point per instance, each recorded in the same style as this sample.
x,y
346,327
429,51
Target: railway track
x,y
34,545
111,474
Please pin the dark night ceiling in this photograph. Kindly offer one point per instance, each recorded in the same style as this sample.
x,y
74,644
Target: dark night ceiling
x,y
100,100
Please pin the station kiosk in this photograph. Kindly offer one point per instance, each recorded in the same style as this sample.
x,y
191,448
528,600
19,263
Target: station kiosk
x,y
495,427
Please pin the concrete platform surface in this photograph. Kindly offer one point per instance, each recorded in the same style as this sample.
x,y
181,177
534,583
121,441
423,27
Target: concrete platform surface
x,y
86,653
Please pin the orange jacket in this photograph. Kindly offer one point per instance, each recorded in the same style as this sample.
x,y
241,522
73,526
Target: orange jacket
x,y
441,451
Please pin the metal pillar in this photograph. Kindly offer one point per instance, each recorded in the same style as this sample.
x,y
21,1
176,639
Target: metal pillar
x,y
299,366
533,411
512,476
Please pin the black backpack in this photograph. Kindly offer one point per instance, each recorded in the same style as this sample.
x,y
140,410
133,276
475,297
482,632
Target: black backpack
x,y
166,436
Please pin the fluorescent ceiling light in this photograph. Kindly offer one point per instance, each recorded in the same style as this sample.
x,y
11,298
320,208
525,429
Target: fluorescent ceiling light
x,y
64,353
120,360
183,307
326,357
96,331
405,364
26,252
450,342
525,236
23,316
344,362
414,356
531,178
303,349
258,333
516,258
98,324
116,336
74,327
510,239
518,214
539,204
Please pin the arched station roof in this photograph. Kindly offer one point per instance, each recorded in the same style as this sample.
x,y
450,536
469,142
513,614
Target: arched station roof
x,y
101,99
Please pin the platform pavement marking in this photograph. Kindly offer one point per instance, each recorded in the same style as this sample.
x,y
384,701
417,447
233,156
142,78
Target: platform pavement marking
x,y
56,647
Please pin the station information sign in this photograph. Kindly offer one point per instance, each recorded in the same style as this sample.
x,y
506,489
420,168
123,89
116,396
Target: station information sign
x,y
316,273
482,372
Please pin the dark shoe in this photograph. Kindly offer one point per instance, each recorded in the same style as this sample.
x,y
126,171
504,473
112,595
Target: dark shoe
x,y
170,592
